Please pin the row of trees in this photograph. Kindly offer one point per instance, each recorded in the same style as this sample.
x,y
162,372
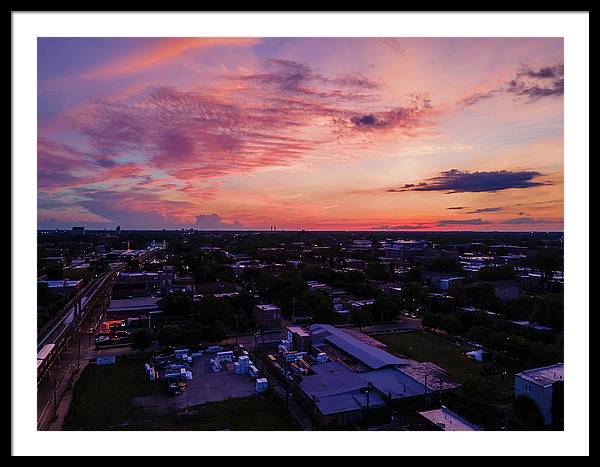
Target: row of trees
x,y
234,312
525,345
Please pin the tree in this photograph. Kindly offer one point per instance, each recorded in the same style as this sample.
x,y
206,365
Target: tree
x,y
360,317
414,275
411,293
496,273
497,340
479,333
478,294
215,332
444,264
210,310
431,320
386,308
169,335
141,339
54,272
451,324
549,311
518,346
548,261
378,271
177,303
528,410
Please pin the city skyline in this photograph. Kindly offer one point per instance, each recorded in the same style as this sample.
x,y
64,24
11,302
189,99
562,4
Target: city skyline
x,y
301,133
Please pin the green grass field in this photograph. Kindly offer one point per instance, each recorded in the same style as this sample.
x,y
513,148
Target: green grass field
x,y
425,347
102,401
260,413
481,396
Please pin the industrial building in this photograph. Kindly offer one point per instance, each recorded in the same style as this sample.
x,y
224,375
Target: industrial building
x,y
63,285
132,307
360,380
545,387
267,316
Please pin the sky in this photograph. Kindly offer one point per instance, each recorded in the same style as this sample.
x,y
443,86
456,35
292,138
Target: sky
x,y
301,133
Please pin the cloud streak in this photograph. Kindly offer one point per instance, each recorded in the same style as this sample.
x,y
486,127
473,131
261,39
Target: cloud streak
x,y
447,222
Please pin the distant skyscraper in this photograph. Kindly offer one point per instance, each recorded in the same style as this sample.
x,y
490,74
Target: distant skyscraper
x,y
118,229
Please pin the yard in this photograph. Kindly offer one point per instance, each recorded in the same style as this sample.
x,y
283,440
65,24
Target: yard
x,y
103,399
482,396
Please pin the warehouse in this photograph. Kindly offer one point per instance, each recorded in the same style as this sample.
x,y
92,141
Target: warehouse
x,y
361,380
338,396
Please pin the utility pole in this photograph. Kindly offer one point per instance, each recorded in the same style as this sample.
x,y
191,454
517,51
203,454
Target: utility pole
x,y
369,385
55,401
78,334
425,391
285,375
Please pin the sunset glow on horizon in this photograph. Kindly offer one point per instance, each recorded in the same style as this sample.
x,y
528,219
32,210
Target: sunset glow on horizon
x,y
301,133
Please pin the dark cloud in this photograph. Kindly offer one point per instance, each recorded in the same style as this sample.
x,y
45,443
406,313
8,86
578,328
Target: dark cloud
x,y
456,207
530,220
548,72
214,222
477,221
400,227
532,84
483,210
537,83
458,181
408,117
300,79
135,208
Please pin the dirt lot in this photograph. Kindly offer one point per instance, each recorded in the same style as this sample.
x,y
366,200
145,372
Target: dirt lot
x,y
205,387
103,399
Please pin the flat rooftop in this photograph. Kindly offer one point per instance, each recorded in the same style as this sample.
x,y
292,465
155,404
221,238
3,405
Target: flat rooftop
x,y
298,330
545,376
447,420
134,304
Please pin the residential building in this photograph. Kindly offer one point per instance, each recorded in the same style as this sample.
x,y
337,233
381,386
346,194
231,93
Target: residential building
x,y
267,316
506,290
404,248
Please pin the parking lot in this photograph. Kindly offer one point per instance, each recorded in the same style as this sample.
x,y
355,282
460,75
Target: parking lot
x,y
205,386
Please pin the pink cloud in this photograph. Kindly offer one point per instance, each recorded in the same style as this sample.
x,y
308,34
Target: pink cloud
x,y
61,166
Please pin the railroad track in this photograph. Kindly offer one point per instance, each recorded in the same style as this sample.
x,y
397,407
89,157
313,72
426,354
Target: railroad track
x,y
52,331
55,336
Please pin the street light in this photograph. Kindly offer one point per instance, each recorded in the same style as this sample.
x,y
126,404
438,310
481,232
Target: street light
x,y
315,412
368,392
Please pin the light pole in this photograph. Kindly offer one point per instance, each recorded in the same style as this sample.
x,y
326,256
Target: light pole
x,y
78,334
425,391
287,394
55,401
368,391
